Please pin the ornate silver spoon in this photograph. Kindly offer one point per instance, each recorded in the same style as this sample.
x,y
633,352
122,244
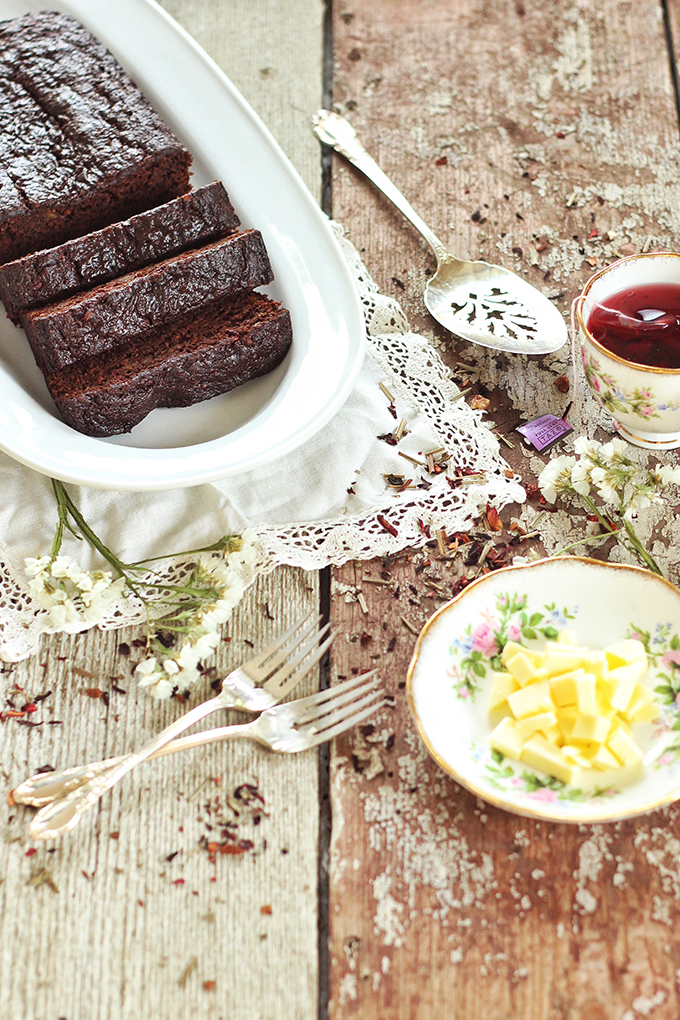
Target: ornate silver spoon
x,y
477,301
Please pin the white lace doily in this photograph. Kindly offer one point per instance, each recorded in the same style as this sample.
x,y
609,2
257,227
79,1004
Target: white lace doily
x,y
317,506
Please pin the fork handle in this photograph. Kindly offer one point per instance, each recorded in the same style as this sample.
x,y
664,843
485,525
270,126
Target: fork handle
x,y
45,787
76,803
62,813
334,130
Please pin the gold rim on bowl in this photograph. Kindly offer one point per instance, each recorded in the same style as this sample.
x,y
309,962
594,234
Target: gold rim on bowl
x,y
482,792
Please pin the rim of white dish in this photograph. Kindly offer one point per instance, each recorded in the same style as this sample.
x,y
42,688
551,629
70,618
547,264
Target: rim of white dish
x,y
79,459
653,369
505,804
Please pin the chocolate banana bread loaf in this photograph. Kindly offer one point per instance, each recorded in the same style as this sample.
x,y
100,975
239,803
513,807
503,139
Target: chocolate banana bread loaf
x,y
193,359
110,315
80,146
55,273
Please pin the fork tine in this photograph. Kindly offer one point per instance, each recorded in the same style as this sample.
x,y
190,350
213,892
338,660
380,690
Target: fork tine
x,y
318,709
329,693
282,654
279,642
281,686
284,664
346,724
324,722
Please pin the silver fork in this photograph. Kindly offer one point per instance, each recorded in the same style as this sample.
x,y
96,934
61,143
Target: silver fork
x,y
290,728
254,686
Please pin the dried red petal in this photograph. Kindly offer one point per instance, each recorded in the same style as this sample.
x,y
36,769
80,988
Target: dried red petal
x,y
493,520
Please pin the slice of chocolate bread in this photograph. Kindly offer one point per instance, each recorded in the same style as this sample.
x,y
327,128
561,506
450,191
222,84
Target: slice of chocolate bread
x,y
192,360
55,273
112,314
80,146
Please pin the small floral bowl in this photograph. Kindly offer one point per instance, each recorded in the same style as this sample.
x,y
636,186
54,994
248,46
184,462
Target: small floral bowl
x,y
644,400
449,680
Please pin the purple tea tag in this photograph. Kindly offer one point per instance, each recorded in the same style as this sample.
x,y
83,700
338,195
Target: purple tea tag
x,y
545,431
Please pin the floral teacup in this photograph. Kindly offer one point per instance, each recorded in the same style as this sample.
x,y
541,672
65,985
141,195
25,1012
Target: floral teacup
x,y
644,400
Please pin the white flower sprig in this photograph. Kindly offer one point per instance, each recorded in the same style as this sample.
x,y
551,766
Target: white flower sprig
x,y
218,586
623,487
183,620
68,594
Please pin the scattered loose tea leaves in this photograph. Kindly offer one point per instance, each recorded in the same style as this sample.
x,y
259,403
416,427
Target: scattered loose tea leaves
x,y
83,672
188,971
43,877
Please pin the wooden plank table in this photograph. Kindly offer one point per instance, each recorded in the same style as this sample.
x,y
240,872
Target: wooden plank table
x,y
542,137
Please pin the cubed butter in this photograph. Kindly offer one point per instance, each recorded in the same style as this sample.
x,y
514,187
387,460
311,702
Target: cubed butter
x,y
604,759
642,707
521,667
571,706
590,727
566,719
563,687
531,699
531,724
502,684
595,662
506,739
625,677
542,755
624,747
575,754
566,637
623,652
562,659
586,701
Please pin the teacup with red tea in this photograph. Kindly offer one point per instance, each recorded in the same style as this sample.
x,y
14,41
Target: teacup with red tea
x,y
629,320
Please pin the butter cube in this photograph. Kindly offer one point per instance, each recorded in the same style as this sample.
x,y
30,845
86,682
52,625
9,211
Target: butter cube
x,y
625,679
512,648
566,637
502,684
642,706
554,735
586,701
624,652
575,754
604,759
595,662
563,687
521,667
624,747
566,720
590,727
531,724
531,699
506,739
540,754
562,659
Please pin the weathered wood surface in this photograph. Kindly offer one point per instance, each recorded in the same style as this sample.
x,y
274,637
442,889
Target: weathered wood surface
x,y
546,138
128,917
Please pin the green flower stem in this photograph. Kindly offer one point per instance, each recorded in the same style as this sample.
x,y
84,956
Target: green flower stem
x,y
634,544
640,550
183,603
587,540
66,505
219,546
601,518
